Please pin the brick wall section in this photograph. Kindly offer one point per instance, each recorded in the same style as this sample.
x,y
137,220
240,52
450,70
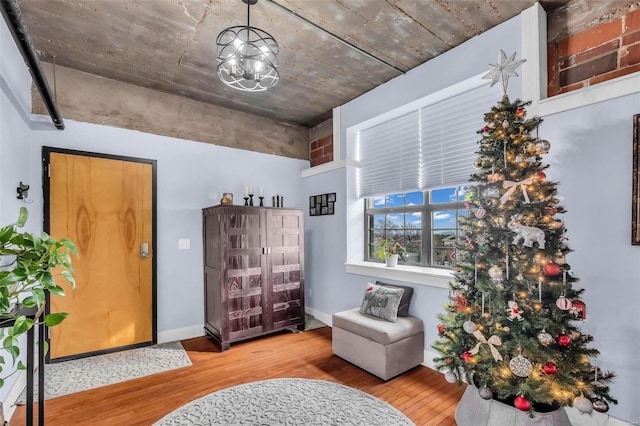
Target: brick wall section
x,y
321,151
599,54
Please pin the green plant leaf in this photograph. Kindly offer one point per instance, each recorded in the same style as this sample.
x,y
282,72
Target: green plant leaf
x,y
67,276
56,290
5,234
21,325
22,217
28,302
55,319
1,383
45,346
21,366
38,295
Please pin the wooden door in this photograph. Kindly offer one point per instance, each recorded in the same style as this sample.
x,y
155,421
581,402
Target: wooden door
x,y
105,205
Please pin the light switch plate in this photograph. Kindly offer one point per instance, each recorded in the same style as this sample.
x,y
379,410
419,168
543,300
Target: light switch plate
x,y
184,244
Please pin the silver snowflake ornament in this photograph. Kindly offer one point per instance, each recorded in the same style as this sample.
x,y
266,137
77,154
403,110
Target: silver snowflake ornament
x,y
503,70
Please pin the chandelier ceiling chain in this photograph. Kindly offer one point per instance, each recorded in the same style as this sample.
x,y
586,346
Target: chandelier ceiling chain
x,y
247,57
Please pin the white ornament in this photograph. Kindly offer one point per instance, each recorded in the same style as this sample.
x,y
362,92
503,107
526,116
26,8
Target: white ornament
x,y
563,303
505,124
527,234
583,405
520,366
469,326
503,70
450,377
545,338
495,272
480,213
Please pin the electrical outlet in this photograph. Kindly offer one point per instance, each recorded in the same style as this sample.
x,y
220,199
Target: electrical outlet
x,y
184,244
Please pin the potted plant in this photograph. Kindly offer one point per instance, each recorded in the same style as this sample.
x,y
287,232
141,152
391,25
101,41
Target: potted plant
x,y
28,265
391,251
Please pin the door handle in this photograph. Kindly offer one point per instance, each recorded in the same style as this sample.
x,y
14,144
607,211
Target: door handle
x,y
144,250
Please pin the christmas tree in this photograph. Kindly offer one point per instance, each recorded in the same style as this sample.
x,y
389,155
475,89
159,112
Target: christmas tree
x,y
512,322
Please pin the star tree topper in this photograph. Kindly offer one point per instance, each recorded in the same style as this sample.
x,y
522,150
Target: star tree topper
x,y
503,70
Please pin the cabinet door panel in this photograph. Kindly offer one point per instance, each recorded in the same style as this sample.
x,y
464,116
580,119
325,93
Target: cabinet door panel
x,y
286,263
245,239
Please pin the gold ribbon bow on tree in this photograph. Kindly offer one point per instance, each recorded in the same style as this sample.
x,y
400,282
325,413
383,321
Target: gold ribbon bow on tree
x,y
512,186
492,342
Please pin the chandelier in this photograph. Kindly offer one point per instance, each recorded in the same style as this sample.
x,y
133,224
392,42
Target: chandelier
x,y
247,57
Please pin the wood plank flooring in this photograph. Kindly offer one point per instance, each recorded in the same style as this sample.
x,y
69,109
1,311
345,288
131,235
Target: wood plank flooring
x,y
421,394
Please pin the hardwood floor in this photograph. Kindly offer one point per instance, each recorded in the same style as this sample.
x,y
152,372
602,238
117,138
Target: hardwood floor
x,y
421,394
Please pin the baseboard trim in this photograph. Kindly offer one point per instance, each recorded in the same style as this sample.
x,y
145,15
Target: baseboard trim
x,y
325,318
181,333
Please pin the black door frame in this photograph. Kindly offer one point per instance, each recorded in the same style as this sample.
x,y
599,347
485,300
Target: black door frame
x,y
46,189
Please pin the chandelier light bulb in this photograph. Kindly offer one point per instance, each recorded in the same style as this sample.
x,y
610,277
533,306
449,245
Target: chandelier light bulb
x,y
247,57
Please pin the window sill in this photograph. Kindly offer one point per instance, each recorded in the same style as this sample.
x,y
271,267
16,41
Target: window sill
x,y
432,277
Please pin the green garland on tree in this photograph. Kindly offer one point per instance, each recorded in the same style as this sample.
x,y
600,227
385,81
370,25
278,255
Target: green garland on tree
x,y
511,323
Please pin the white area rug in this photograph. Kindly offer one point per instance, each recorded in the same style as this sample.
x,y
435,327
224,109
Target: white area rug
x,y
82,374
287,402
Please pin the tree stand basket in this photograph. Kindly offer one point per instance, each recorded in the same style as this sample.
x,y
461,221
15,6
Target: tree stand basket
x,y
474,411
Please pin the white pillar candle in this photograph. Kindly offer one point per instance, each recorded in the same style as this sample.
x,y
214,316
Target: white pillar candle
x,y
261,192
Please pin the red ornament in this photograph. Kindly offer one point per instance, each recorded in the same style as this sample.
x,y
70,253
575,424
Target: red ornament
x,y
550,368
441,328
486,128
553,211
563,340
522,403
541,176
520,111
552,269
466,357
460,303
579,310
448,360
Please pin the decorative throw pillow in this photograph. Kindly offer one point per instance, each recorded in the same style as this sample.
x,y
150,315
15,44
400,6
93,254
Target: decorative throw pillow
x,y
381,302
403,309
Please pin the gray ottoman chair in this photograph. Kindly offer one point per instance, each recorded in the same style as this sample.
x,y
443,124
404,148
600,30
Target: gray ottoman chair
x,y
382,347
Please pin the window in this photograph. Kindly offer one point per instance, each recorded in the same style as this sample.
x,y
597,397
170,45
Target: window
x,y
426,223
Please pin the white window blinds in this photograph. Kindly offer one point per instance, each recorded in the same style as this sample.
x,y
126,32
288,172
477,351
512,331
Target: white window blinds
x,y
433,146
390,156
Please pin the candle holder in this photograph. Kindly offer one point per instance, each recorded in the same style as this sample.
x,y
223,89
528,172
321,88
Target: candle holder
x,y
246,201
250,199
261,204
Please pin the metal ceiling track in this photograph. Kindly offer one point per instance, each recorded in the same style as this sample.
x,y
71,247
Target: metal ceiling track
x,y
13,17
335,37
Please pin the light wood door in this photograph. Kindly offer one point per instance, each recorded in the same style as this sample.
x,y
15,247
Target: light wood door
x,y
105,206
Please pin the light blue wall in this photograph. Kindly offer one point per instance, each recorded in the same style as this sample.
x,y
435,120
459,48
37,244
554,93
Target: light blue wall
x,y
591,157
191,175
465,61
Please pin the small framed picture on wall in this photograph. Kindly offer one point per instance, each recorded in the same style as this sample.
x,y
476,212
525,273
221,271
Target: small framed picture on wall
x,y
323,204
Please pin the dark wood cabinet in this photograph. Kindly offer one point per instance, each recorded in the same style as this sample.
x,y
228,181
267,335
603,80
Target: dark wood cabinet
x,y
253,271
